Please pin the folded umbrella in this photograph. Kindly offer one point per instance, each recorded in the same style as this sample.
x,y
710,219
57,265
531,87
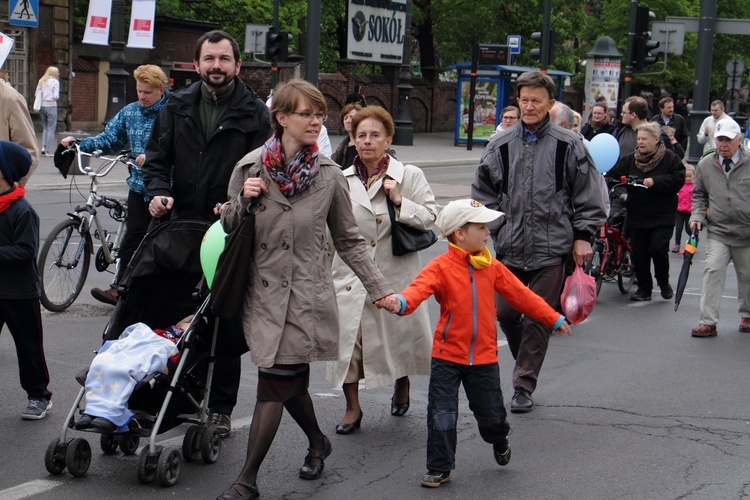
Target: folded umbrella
x,y
687,261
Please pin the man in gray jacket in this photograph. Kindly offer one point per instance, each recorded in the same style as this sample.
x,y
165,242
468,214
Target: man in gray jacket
x,y
542,178
722,181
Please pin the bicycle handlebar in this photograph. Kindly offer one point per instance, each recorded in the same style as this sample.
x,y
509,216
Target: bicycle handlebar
x,y
124,156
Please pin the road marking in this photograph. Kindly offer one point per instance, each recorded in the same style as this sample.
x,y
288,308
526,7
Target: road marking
x,y
28,489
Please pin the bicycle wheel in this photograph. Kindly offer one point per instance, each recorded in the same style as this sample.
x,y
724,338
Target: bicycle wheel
x,y
626,272
594,266
64,264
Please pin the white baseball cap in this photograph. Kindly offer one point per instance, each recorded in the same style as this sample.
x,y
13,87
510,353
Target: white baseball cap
x,y
460,212
726,127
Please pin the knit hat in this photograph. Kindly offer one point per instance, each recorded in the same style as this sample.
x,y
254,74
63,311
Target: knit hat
x,y
15,161
460,212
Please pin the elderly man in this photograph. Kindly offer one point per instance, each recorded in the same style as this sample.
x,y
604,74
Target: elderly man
x,y
721,182
705,135
542,178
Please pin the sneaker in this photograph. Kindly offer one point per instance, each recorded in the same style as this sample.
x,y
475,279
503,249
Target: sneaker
x,y
502,453
666,291
37,409
221,422
433,478
107,296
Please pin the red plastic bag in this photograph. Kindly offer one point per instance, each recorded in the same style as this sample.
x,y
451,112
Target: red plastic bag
x,y
579,296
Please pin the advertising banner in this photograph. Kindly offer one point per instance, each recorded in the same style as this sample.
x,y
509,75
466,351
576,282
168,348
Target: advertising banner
x,y
376,31
6,44
142,24
97,22
485,110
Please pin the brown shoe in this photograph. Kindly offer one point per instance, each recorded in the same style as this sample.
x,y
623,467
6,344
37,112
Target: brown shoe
x,y
107,296
745,325
704,331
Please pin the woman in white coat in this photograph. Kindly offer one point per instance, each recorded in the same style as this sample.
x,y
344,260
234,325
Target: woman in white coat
x,y
375,346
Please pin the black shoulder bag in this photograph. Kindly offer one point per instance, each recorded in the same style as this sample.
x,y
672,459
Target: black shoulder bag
x,y
406,239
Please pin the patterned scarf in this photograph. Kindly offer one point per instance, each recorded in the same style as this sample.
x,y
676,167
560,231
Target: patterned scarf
x,y
477,260
369,179
646,163
7,199
298,175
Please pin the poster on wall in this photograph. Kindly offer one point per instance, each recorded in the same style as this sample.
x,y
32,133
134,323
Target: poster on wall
x,y
376,31
602,79
485,109
97,23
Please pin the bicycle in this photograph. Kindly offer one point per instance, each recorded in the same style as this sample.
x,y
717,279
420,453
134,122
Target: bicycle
x,y
65,257
612,254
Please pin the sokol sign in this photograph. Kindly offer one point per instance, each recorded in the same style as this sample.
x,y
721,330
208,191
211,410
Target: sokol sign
x,y
376,30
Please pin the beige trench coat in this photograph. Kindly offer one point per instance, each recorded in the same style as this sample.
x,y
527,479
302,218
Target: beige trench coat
x,y
289,314
392,346
16,125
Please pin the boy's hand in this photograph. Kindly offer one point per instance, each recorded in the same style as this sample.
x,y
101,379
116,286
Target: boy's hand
x,y
390,303
564,328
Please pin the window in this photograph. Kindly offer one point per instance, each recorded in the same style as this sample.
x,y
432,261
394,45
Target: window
x,y
17,63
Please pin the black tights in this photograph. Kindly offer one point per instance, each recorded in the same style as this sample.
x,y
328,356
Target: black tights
x,y
266,420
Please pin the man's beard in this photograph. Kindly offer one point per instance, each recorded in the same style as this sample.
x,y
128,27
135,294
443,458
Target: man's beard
x,y
226,80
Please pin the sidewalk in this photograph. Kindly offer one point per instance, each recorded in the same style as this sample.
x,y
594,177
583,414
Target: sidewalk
x,y
429,150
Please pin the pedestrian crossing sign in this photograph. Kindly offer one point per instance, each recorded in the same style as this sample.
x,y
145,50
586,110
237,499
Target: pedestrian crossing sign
x,y
23,13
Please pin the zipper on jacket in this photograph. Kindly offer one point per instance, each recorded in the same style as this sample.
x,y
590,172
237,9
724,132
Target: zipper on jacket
x,y
473,315
445,332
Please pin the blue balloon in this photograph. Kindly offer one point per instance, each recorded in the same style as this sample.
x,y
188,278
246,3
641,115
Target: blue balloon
x,y
605,151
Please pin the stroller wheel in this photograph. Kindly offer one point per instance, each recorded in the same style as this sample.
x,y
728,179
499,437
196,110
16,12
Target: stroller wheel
x,y
191,449
54,458
78,457
169,467
210,445
146,467
108,442
129,443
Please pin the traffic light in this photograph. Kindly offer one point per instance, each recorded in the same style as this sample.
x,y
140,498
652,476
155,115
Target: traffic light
x,y
277,45
643,43
538,37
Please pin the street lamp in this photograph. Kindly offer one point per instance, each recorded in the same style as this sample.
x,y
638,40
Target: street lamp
x,y
117,77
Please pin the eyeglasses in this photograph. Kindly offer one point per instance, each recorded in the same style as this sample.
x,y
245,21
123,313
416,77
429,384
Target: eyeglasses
x,y
309,116
509,118
534,102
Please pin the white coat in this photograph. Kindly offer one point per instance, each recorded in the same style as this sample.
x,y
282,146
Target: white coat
x,y
393,346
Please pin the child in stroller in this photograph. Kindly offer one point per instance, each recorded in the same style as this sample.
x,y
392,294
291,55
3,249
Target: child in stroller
x,y
119,366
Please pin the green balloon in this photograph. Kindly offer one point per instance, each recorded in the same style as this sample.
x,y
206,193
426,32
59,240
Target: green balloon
x,y
211,248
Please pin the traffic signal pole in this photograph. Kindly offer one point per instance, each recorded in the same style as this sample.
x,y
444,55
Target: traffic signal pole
x,y
275,60
702,89
629,69
546,36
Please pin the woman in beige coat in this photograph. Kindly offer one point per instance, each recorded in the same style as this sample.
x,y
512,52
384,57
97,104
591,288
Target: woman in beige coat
x,y
289,314
375,346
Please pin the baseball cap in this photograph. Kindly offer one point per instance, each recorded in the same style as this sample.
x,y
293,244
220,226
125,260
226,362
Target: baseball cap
x,y
460,212
727,127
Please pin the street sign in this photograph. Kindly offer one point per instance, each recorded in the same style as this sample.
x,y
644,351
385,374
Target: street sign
x,y
493,54
671,37
735,67
514,43
255,38
23,13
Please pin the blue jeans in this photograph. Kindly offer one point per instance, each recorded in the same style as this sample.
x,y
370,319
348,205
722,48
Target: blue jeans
x,y
49,124
482,386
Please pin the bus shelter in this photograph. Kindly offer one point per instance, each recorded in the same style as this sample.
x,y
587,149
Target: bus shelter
x,y
493,91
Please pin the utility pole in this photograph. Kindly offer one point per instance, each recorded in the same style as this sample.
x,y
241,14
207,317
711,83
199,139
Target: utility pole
x,y
702,89
404,129
117,77
312,47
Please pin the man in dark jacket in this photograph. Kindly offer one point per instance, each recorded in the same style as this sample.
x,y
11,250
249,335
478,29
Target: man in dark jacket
x,y
196,140
667,116
541,177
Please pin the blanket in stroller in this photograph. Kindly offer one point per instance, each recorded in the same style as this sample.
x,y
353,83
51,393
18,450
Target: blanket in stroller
x,y
121,364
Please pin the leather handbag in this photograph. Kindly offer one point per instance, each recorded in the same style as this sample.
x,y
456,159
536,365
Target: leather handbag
x,y
406,239
229,286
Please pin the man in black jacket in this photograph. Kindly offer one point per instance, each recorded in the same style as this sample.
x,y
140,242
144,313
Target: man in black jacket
x,y
196,140
667,116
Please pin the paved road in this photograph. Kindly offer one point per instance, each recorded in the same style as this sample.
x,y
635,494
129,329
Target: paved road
x,y
629,407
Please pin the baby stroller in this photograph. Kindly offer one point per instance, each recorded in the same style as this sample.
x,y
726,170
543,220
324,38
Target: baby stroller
x,y
162,284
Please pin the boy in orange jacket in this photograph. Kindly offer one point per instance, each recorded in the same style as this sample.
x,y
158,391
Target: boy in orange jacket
x,y
464,348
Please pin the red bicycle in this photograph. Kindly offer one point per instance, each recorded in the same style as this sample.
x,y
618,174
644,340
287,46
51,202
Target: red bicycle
x,y
612,255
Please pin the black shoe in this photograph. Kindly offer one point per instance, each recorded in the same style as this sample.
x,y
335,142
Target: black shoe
x,y
666,291
310,471
230,493
84,422
521,402
502,452
641,295
102,424
349,428
433,478
400,409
